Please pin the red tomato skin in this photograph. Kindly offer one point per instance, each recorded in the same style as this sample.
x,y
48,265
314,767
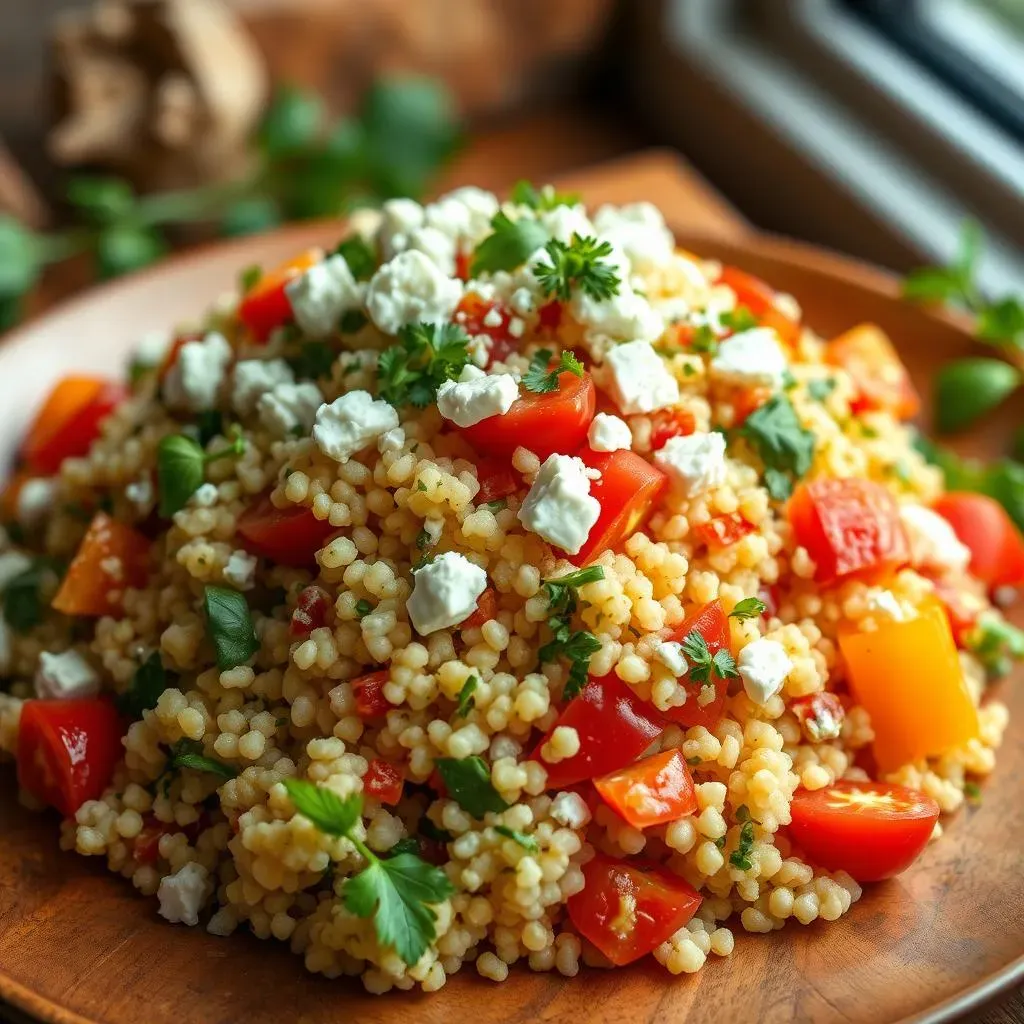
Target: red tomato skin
x,y
962,610
369,691
311,611
712,624
879,376
497,480
614,726
627,490
544,423
146,845
67,750
849,526
653,791
470,314
383,781
668,424
995,543
759,298
868,844
266,305
721,531
288,536
627,908
486,609
820,716
77,433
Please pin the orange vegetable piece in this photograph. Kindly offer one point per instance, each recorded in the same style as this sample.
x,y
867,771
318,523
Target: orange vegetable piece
x,y
111,557
650,792
266,306
907,676
878,373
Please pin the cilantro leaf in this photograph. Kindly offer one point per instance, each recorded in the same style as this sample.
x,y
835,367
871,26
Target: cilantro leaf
x,y
561,590
229,626
314,359
540,379
466,700
149,681
704,665
581,265
748,608
426,355
740,857
579,646
468,781
739,319
359,255
510,245
784,445
189,754
333,815
527,842
545,198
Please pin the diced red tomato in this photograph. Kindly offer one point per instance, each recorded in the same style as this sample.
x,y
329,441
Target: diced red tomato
x,y
627,908
369,691
614,726
288,536
820,716
962,610
265,306
146,845
747,401
550,315
383,781
311,611
712,624
545,423
721,531
69,421
627,490
650,792
871,830
497,480
848,526
462,262
93,585
759,298
878,373
996,545
667,424
486,609
471,313
67,750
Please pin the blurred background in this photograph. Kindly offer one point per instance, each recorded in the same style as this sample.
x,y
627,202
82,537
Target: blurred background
x,y
131,126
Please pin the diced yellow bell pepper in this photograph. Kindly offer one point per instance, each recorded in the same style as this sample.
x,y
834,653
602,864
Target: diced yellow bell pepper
x,y
907,676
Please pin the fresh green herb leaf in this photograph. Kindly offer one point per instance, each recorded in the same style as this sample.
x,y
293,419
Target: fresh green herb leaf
x,y
363,607
292,121
352,322
788,381
740,857
26,596
249,278
189,754
720,842
425,357
527,842
748,608
209,424
468,781
149,681
953,284
542,199
540,379
229,626
739,319
704,665
820,389
333,815
101,199
496,506
510,245
784,445
742,813
969,388
422,539
581,265
562,590
972,791
577,647
359,255
313,360
466,700
408,844
429,830
996,644
1002,323
704,340
180,468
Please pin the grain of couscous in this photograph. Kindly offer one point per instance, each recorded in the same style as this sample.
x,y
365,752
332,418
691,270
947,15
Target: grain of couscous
x,y
505,585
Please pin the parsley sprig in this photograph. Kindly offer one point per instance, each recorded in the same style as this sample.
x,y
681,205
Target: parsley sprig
x,y
538,378
748,608
410,372
542,199
181,468
576,646
466,700
527,842
705,666
740,857
784,445
581,265
468,781
510,245
397,892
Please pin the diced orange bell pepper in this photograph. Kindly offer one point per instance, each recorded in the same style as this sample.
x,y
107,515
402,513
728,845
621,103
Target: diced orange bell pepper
x,y
111,558
265,306
878,373
650,792
907,676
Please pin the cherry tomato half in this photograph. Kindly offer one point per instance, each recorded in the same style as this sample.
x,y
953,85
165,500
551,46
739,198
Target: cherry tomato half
x,y
627,908
712,624
871,830
653,791
878,373
982,524
67,750
289,536
486,608
759,298
266,306
497,480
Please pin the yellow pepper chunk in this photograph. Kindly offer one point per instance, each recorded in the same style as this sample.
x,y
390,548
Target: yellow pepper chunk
x,y
907,676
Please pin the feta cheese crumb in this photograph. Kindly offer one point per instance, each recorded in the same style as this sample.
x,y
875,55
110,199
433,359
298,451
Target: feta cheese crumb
x,y
445,592
559,506
763,667
348,424
435,244
624,317
193,381
670,654
35,499
639,230
205,496
12,563
695,462
608,433
141,494
562,222
182,894
65,675
933,542
254,377
637,378
391,440
885,603
466,402
320,296
290,409
410,289
751,357
240,570
399,219
464,214
570,810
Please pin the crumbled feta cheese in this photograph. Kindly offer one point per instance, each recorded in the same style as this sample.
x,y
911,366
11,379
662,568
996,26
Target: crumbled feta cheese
x,y
492,318
240,571
639,230
399,218
141,494
694,462
751,357
608,433
562,222
479,349
570,810
348,424
391,440
61,676
884,602
470,372
35,499
366,222
12,563
637,378
559,506
410,289
182,894
933,542
193,381
438,246
670,654
624,317
445,592
152,347
464,214
522,302
320,295
763,667
290,409
205,496
468,402
254,377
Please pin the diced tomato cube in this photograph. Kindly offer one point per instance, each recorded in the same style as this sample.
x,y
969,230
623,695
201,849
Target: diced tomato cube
x,y
288,536
653,791
820,716
711,623
486,609
721,531
383,781
311,611
670,423
369,691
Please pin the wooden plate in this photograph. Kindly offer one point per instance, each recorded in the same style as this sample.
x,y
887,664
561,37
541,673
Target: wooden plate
x,y
78,945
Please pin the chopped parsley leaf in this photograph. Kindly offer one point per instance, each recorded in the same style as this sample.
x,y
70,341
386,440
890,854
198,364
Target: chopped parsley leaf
x,y
783,444
466,700
510,245
538,378
580,265
410,372
748,608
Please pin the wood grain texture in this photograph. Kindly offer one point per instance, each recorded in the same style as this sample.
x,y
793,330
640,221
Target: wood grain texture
x,y
78,945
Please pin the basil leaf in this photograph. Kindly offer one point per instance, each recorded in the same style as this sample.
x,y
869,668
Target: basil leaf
x,y
468,781
229,626
179,471
970,388
23,600
148,683
359,256
512,243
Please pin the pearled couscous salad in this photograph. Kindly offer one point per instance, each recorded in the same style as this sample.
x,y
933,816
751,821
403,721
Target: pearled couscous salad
x,y
503,585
